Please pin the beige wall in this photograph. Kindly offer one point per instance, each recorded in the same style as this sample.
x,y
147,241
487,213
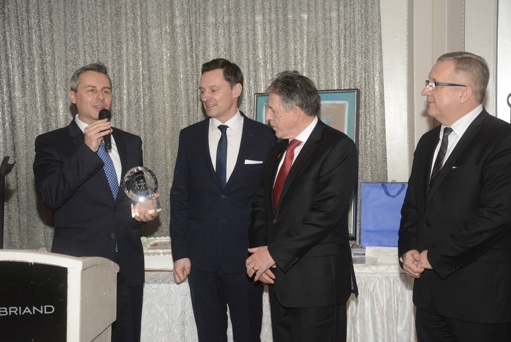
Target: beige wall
x,y
414,34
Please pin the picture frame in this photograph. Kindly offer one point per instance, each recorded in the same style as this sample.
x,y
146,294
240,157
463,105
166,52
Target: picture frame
x,y
340,110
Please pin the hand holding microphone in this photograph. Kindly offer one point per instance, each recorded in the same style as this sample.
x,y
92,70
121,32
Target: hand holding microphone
x,y
105,114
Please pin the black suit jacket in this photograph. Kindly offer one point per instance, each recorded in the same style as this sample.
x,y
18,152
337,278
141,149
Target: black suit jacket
x,y
209,225
88,221
464,223
307,235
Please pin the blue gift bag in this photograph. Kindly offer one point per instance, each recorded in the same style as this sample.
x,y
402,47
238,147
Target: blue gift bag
x,y
380,212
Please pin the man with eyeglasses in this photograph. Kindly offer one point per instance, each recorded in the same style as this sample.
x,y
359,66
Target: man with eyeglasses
x,y
454,236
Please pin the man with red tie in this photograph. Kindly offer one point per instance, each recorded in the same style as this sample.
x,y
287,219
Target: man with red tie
x,y
299,228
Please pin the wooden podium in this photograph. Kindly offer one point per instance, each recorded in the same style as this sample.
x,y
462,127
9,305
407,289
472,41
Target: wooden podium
x,y
55,297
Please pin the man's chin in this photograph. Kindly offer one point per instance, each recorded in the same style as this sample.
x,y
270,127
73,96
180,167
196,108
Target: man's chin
x,y
209,113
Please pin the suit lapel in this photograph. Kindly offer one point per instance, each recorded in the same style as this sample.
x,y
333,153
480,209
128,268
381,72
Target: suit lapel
x,y
428,159
273,164
465,140
307,150
246,144
76,135
122,149
203,147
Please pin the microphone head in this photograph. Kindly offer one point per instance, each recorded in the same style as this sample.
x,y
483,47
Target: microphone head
x,y
104,114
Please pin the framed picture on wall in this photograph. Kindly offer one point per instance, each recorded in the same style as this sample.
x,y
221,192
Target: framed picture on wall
x,y
340,110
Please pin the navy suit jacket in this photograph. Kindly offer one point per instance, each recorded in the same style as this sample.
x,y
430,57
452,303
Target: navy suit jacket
x,y
307,235
88,221
464,223
209,225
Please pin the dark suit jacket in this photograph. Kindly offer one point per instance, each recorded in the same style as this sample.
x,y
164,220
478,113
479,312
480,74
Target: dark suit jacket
x,y
308,234
464,223
210,225
88,221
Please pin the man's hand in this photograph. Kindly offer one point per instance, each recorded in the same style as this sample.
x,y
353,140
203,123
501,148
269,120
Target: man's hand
x,y
412,264
94,133
181,270
144,211
424,263
259,263
268,277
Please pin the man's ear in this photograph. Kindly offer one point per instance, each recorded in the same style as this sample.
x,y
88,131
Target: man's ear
x,y
72,96
237,89
466,94
296,112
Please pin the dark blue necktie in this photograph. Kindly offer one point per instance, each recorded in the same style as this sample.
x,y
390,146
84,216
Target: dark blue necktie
x,y
439,162
109,169
221,156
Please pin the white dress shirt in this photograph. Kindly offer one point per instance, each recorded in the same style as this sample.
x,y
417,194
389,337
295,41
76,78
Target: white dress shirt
x,y
303,136
458,129
234,133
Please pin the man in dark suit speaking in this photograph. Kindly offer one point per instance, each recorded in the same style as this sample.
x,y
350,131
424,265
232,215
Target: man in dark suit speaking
x,y
78,178
456,217
219,166
299,229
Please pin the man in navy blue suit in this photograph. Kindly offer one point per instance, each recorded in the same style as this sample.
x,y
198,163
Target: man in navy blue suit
x,y
92,214
219,166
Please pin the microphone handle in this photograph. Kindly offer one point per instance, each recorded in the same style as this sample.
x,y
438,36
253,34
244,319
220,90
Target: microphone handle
x,y
107,139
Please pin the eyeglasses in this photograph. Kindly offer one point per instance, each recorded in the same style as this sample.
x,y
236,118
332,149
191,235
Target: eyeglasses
x,y
432,84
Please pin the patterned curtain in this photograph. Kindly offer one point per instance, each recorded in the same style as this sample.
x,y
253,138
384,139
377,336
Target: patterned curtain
x,y
154,50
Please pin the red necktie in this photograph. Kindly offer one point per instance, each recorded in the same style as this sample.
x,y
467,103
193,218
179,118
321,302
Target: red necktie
x,y
284,170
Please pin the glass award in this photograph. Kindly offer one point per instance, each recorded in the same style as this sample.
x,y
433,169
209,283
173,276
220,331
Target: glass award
x,y
141,185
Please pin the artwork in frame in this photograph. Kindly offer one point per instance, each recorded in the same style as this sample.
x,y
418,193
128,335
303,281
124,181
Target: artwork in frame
x,y
340,110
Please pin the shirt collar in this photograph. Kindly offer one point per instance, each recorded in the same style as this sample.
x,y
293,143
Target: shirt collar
x,y
82,125
460,126
305,134
234,123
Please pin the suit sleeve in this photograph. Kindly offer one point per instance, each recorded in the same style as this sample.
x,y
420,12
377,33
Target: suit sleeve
x,y
408,226
258,229
179,203
336,180
58,177
488,224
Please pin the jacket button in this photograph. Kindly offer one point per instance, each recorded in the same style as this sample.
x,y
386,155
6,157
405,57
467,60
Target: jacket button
x,y
112,236
222,196
275,221
426,223
115,209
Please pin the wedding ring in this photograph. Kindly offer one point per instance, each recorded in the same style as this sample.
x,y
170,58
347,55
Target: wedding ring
x,y
255,270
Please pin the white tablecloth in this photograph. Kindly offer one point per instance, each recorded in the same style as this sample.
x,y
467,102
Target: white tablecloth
x,y
382,312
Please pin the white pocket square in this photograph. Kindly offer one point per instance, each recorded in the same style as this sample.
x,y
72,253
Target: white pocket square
x,y
248,161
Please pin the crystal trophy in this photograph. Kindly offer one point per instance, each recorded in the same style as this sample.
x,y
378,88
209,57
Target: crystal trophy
x,y
141,185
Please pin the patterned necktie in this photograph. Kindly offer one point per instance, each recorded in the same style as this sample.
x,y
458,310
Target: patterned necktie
x,y
284,170
109,169
441,155
221,156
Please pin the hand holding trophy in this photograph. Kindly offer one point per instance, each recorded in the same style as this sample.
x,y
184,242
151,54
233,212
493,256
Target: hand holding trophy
x,y
140,184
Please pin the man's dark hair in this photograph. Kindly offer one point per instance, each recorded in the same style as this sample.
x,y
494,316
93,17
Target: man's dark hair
x,y
96,67
294,89
232,72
